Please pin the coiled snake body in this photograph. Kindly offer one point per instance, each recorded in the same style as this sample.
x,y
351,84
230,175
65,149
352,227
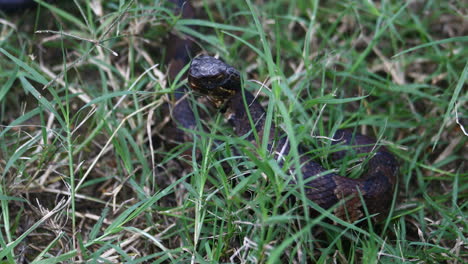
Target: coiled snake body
x,y
214,78
220,81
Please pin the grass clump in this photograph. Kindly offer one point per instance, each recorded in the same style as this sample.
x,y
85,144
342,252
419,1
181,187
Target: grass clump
x,y
89,175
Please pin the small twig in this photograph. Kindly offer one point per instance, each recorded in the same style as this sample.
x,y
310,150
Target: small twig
x,y
94,41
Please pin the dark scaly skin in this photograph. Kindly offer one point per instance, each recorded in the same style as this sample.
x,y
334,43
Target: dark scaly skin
x,y
214,78
179,53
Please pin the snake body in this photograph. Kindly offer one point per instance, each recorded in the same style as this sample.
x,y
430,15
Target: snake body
x,y
220,81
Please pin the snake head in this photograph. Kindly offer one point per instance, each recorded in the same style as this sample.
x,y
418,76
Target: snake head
x,y
213,77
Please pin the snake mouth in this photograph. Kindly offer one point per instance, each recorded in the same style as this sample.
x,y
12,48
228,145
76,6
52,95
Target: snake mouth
x,y
213,87
218,95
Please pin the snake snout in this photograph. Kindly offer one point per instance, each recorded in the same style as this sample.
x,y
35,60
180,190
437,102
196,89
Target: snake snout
x,y
213,77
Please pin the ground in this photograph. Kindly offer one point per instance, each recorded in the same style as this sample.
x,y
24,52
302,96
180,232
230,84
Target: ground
x,y
88,172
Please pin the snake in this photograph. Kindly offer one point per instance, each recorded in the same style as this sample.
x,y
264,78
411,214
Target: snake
x,y
221,82
348,198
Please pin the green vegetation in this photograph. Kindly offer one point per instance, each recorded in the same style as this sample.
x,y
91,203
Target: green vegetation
x,y
87,175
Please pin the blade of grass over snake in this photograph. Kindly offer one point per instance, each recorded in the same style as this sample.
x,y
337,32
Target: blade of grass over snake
x,y
203,23
275,101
